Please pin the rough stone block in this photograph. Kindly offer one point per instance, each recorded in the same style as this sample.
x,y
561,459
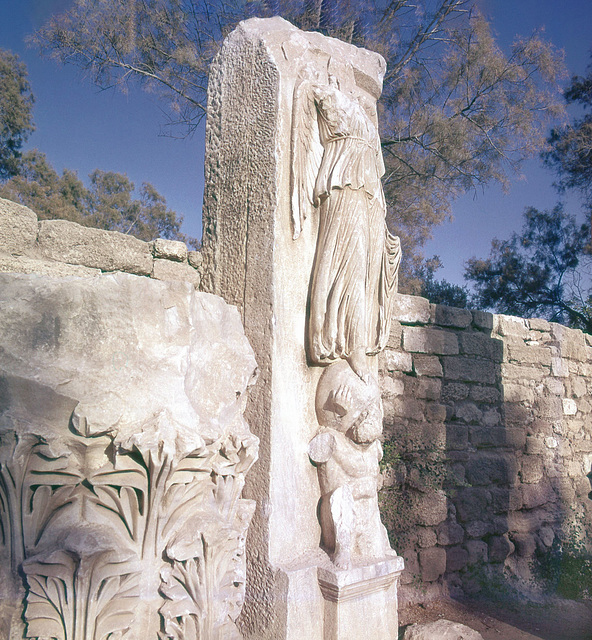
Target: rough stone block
x,y
433,563
536,495
449,533
432,508
429,340
411,309
195,259
500,548
478,528
549,407
559,367
18,227
484,437
531,469
451,316
478,344
457,437
456,558
528,354
478,551
518,393
525,544
479,393
435,412
468,412
23,264
65,241
491,468
572,343
538,324
534,445
483,320
175,271
454,391
426,537
397,361
469,369
442,630
427,366
570,408
510,326
471,503
516,415
170,250
518,372
491,418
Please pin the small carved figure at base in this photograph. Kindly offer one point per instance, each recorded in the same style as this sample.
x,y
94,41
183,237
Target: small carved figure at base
x,y
347,452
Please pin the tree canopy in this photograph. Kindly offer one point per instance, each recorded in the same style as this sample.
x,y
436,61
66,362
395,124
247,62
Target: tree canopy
x,y
570,154
109,202
543,272
456,112
16,111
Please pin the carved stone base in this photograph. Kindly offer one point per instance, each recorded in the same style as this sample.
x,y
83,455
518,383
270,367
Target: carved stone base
x,y
361,602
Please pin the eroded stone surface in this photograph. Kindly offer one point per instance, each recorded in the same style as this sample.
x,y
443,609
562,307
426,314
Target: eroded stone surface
x,y
441,630
65,241
123,452
18,227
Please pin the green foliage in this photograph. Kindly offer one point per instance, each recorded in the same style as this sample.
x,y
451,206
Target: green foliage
x,y
108,203
16,112
456,112
542,272
570,154
439,291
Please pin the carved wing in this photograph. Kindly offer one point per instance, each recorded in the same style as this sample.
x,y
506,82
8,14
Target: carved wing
x,y
306,153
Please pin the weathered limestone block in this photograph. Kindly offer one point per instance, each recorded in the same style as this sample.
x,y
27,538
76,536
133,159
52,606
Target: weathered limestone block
x,y
411,309
433,563
427,366
66,241
176,271
483,320
469,369
397,361
24,264
123,453
428,340
478,344
442,630
170,249
451,316
18,228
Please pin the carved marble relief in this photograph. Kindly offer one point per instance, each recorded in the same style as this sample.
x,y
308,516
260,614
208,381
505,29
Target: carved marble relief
x,y
138,535
336,169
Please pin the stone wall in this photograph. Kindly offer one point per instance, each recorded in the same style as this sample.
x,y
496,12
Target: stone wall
x,y
62,248
488,449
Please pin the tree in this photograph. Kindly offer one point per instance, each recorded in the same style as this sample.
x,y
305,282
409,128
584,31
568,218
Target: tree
x,y
440,291
456,112
108,203
570,154
16,112
543,272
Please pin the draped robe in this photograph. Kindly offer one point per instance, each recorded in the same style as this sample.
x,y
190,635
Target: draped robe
x,y
356,260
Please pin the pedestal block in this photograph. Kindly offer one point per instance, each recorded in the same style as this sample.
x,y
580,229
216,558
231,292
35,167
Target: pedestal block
x,y
361,602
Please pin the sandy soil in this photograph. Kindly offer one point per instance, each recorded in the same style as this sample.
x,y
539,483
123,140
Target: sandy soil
x,y
556,620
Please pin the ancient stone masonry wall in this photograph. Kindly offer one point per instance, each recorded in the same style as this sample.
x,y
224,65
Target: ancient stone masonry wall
x,y
488,448
64,248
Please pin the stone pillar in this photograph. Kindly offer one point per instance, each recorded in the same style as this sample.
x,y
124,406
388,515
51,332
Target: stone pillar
x,y
253,261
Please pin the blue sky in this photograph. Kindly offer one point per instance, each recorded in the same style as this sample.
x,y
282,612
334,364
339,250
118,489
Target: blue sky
x,y
82,128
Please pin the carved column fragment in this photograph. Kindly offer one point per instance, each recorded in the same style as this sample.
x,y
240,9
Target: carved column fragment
x,y
123,452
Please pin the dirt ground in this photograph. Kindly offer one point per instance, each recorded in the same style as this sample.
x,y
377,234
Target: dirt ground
x,y
556,620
